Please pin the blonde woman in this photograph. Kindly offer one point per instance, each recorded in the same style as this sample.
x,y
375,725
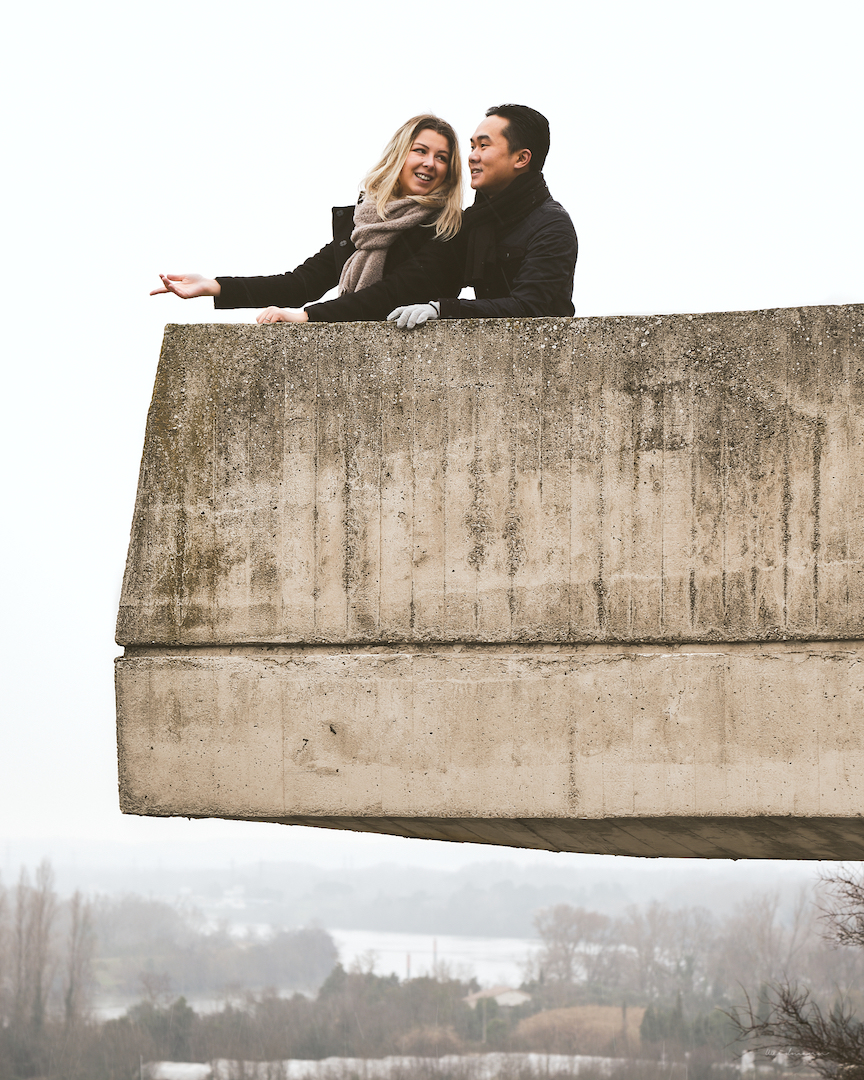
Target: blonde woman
x,y
390,249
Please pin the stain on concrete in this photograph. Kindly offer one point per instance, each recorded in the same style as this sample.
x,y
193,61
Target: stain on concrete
x,y
478,519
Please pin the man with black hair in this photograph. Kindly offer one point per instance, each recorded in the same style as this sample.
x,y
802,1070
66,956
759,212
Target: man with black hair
x,y
517,245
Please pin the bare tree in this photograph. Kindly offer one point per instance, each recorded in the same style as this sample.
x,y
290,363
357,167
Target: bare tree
x,y
79,958
764,939
668,949
573,942
647,932
842,905
157,987
35,909
4,952
787,1018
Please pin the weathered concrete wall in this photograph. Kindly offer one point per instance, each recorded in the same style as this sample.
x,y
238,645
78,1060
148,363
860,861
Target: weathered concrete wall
x,y
396,582
684,478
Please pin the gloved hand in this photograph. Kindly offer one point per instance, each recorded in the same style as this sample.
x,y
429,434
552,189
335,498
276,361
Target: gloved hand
x,y
414,314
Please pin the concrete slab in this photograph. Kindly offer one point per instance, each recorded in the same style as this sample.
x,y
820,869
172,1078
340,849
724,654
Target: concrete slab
x,y
735,751
585,584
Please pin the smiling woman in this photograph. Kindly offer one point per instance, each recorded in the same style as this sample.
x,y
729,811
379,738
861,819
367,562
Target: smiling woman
x,y
389,249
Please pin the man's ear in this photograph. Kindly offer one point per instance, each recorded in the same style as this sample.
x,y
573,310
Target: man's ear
x,y
523,160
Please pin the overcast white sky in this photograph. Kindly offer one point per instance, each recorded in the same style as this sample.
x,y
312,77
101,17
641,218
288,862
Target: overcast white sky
x,y
709,154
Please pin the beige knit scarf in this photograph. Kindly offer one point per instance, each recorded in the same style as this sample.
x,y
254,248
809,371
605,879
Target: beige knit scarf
x,y
372,237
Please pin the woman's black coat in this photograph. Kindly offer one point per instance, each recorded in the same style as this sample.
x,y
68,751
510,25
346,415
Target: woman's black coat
x,y
417,267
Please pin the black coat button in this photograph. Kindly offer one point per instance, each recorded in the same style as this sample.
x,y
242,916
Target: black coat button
x,y
342,243
339,213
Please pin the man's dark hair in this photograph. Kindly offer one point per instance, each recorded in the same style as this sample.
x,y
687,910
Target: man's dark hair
x,y
526,129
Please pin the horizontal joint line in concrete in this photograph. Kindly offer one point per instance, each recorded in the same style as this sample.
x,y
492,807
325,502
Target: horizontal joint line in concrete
x,y
503,649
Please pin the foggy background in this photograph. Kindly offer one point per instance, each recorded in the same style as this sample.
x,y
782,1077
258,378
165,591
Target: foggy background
x,y
711,158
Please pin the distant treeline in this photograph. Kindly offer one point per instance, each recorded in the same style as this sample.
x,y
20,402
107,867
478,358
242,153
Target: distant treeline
x,y
658,954
483,899
655,981
139,938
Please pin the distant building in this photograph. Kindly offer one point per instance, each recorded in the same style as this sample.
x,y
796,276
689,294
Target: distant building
x,y
503,995
176,1070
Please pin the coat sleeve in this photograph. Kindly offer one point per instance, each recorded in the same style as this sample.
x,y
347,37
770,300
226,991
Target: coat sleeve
x,y
543,284
309,281
430,271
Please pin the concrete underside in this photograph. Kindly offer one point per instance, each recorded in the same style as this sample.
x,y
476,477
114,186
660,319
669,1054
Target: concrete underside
x,y
588,585
650,837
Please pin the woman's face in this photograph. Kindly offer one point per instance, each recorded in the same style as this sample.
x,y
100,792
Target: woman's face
x,y
426,166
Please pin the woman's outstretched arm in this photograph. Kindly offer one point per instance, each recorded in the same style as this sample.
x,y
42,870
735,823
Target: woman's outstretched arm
x,y
307,282
188,285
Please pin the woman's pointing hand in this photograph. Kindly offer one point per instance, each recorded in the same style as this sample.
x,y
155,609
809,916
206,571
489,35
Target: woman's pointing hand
x,y
188,285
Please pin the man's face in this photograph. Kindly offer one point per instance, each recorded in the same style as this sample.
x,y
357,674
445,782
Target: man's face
x,y
491,164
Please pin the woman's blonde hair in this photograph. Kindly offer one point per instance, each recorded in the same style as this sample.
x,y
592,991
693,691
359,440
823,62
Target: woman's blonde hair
x,y
380,184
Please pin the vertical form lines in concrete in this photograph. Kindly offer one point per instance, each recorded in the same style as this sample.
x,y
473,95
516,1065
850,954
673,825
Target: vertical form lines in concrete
x,y
664,443
530,540
411,443
574,444
600,585
443,452
818,433
787,501
316,387
640,435
804,437
694,466
854,517
848,510
756,533
833,509
512,517
571,455
478,524
353,525
724,484
559,480
601,444
515,542
398,484
381,363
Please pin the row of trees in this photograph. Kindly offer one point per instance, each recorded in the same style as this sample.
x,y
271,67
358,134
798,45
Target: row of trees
x,y
784,980
355,1014
657,953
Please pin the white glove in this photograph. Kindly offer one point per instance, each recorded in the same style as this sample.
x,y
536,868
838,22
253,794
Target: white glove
x,y
414,314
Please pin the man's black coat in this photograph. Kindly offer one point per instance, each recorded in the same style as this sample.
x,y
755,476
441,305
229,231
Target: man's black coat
x,y
532,274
